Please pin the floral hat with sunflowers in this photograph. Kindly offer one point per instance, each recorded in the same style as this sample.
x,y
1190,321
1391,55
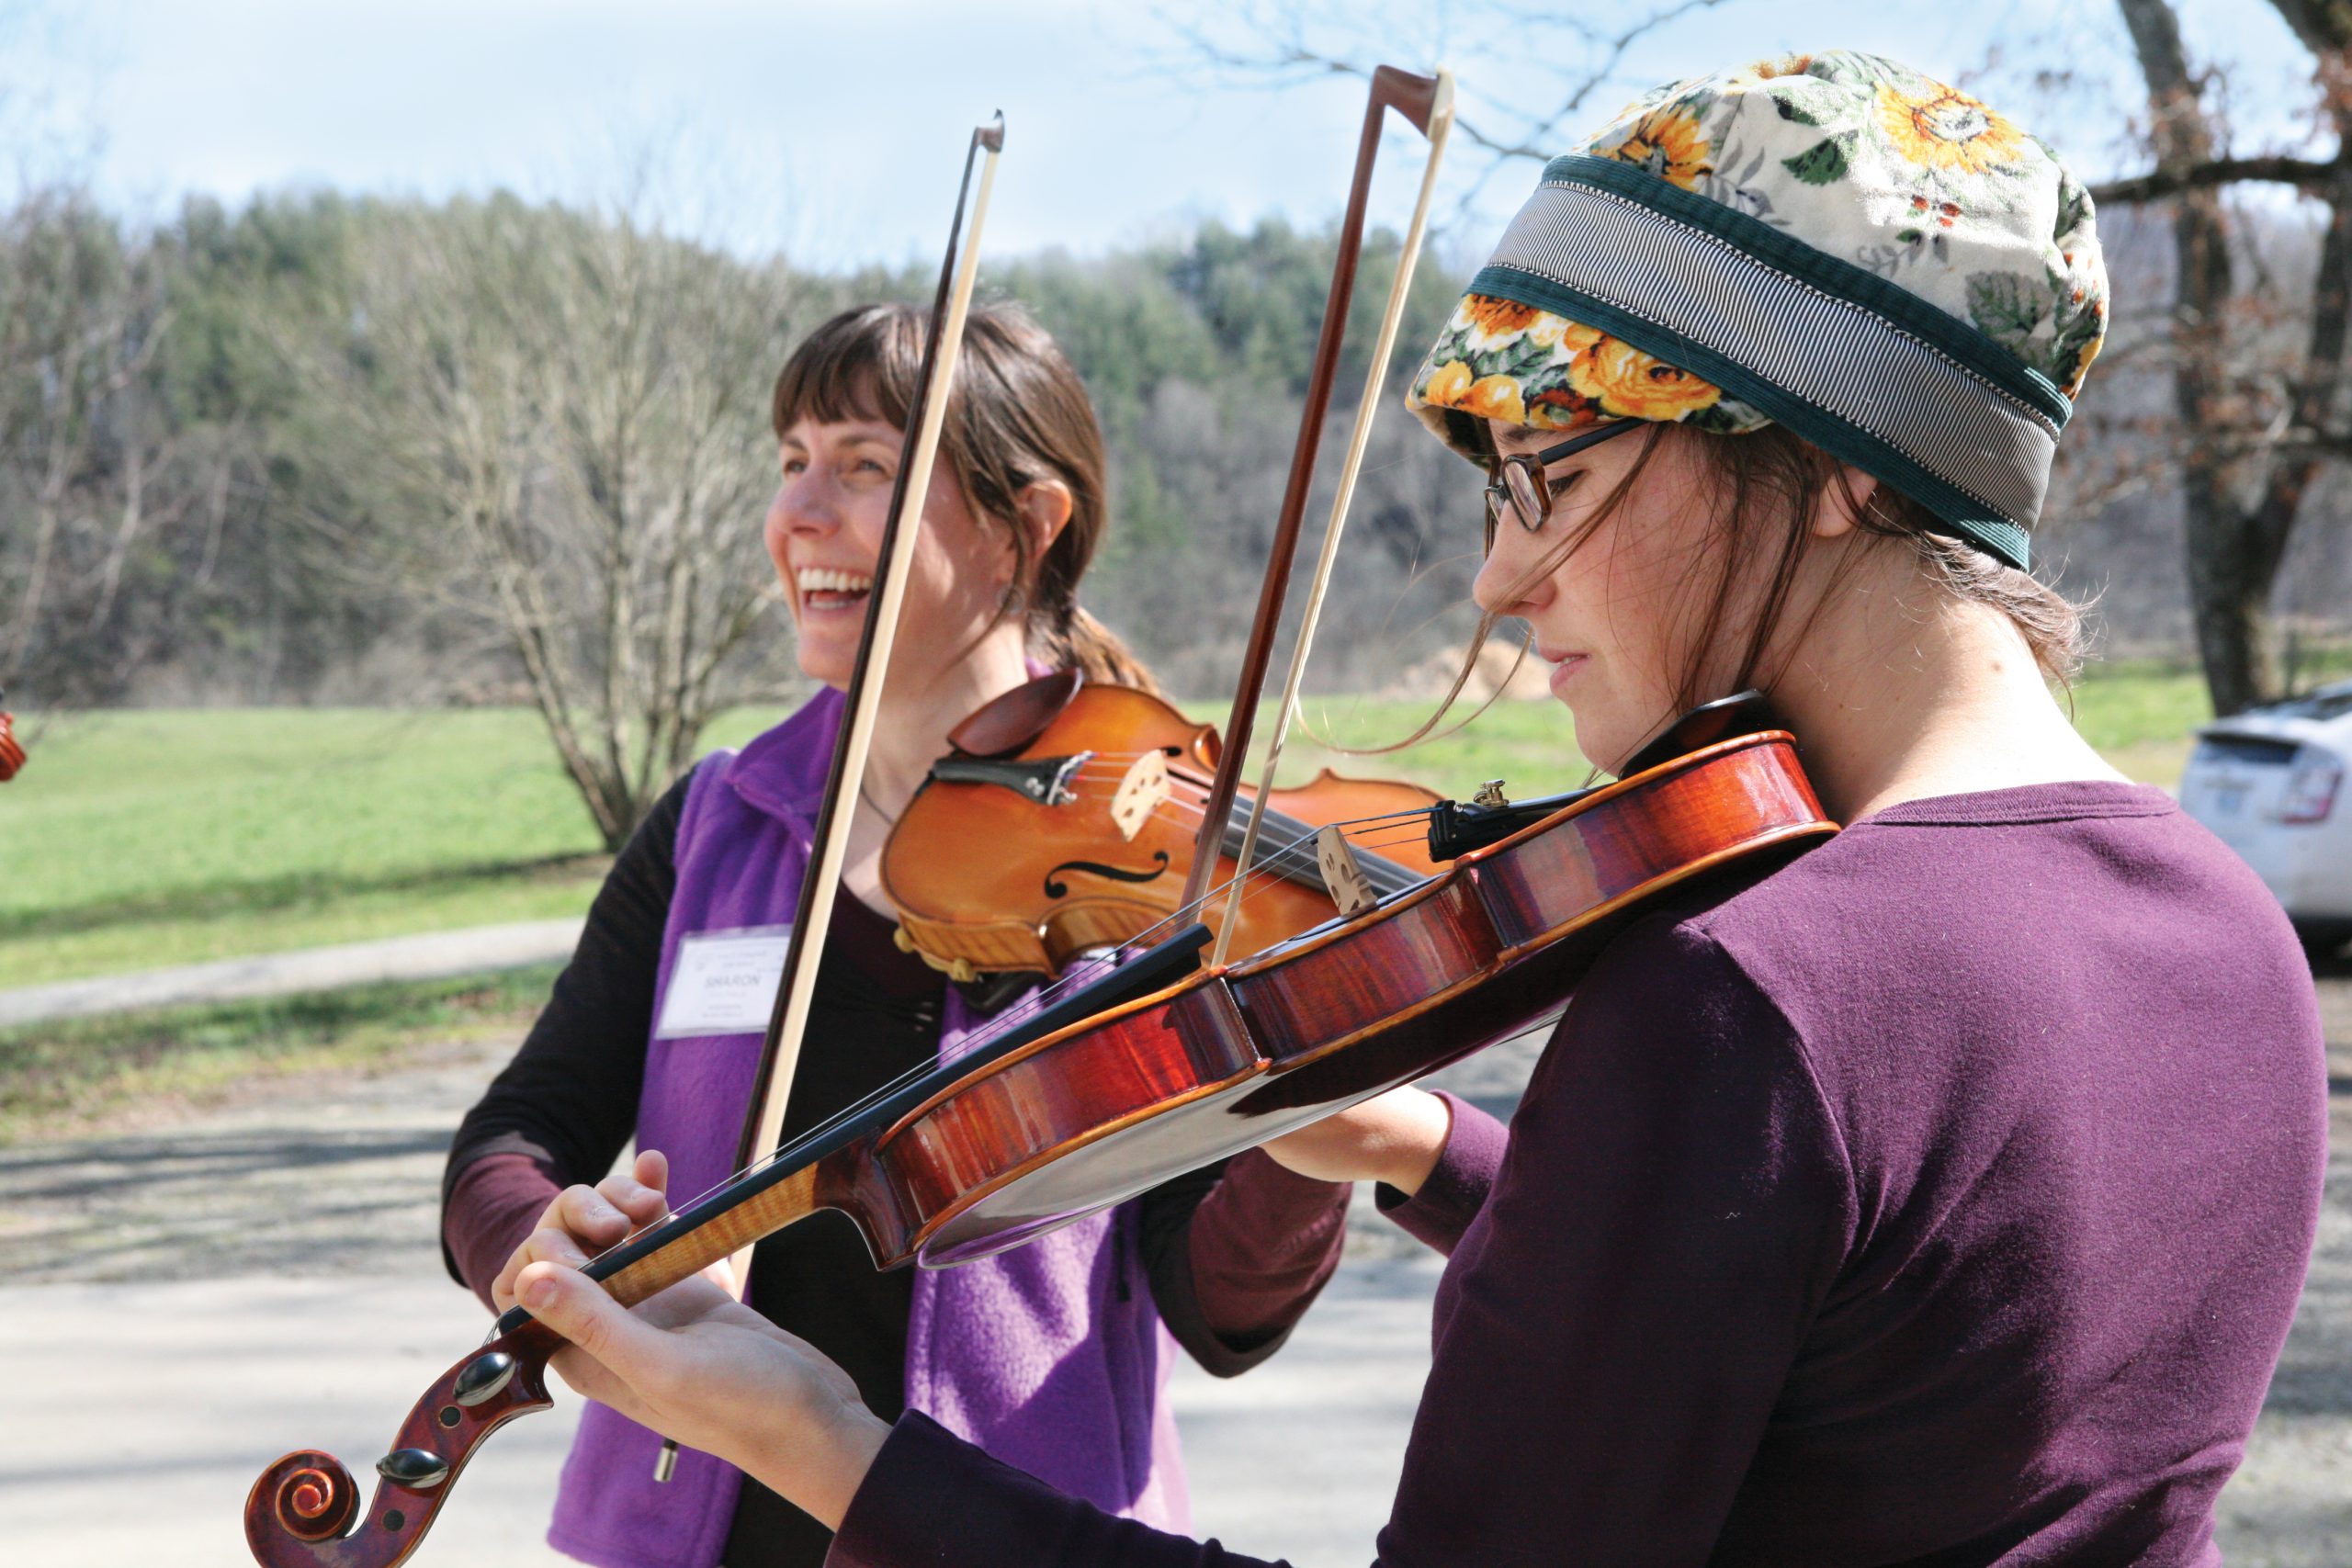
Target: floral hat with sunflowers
x,y
1829,242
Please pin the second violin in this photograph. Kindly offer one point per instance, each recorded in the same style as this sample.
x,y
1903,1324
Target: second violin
x,y
1066,820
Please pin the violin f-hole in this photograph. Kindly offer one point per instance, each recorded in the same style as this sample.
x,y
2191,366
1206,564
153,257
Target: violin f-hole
x,y
1056,888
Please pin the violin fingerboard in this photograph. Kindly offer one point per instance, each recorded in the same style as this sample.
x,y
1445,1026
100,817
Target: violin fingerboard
x,y
761,1214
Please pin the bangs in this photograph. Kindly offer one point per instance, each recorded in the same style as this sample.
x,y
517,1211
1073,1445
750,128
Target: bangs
x,y
861,364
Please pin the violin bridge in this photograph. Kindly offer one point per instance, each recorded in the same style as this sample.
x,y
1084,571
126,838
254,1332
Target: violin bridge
x,y
1142,792
1343,875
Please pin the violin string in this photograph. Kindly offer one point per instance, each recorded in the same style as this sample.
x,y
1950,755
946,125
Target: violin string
x,y
1370,835
1102,792
1002,1022
1108,788
1085,972
1360,831
1417,814
1395,841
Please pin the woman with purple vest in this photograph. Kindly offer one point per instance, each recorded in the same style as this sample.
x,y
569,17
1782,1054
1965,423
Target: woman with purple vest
x,y
1054,1356
1940,1196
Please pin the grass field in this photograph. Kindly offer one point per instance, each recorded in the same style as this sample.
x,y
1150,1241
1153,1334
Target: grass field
x,y
140,840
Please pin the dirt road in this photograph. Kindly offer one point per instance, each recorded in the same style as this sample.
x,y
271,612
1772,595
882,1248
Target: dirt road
x,y
180,1304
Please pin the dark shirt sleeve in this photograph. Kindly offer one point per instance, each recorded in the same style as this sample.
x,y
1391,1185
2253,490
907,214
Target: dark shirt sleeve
x,y
1236,1253
1615,1325
932,1498
492,1204
565,1107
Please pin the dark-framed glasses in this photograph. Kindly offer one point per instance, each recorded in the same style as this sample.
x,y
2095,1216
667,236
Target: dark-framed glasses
x,y
1516,484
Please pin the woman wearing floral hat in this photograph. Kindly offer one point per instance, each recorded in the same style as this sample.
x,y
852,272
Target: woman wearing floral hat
x,y
1941,1196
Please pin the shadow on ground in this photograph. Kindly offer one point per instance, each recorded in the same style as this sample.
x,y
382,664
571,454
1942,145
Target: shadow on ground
x,y
302,1179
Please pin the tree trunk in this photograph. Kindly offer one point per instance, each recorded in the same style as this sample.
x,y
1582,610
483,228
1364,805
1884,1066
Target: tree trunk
x,y
2235,552
2229,602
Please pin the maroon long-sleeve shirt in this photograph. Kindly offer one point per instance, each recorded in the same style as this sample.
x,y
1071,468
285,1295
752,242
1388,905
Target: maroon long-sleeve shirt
x,y
1942,1197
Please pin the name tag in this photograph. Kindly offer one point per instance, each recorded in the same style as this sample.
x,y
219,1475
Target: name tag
x,y
724,982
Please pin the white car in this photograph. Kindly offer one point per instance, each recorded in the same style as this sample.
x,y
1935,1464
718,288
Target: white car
x,y
2269,781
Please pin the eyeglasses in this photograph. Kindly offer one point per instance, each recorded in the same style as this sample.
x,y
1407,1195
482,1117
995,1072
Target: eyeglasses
x,y
1518,482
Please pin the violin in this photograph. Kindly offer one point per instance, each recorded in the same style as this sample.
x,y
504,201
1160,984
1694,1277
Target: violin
x,y
1162,1065
1066,820
12,753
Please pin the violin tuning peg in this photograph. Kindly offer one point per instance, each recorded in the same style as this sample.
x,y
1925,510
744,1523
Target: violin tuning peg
x,y
413,1468
483,1377
1490,793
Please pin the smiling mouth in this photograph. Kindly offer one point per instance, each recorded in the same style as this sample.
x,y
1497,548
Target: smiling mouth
x,y
822,588
1563,665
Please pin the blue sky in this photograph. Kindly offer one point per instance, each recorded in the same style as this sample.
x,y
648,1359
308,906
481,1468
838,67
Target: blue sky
x,y
833,131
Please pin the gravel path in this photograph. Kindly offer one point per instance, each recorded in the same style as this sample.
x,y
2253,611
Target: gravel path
x,y
162,1287
434,956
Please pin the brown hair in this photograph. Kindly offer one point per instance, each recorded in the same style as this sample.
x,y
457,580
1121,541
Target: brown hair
x,y
1768,484
1017,413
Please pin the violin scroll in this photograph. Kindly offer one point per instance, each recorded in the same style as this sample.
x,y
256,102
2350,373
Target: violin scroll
x,y
304,1511
311,1494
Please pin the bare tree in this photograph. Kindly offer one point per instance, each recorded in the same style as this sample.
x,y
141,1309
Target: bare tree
x,y
2254,417
82,312
565,416
2254,428
1285,41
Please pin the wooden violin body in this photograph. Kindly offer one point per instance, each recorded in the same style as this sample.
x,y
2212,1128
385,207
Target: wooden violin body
x,y
12,752
1014,855
1088,1105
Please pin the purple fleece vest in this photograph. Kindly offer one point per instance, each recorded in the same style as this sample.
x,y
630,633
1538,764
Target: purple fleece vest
x,y
1050,1357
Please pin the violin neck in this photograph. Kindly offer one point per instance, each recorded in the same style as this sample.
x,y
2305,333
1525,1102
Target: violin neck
x,y
761,1212
717,1225
825,1170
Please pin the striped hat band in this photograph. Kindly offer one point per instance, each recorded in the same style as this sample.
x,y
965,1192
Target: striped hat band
x,y
1858,366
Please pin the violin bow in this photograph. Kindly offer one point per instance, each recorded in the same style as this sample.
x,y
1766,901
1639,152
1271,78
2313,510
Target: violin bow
x,y
821,881
1427,102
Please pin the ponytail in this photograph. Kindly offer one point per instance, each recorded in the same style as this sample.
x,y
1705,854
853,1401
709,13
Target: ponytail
x,y
1084,643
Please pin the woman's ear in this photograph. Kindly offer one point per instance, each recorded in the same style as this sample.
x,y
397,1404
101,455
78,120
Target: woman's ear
x,y
1045,508
1844,502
